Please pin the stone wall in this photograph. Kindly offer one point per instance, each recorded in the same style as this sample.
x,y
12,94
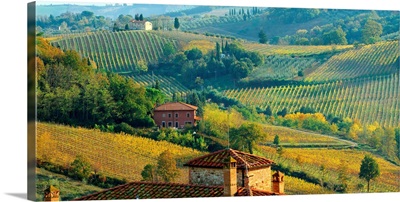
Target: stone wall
x,y
206,176
261,178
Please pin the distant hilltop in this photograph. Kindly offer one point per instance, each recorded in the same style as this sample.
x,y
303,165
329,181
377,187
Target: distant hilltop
x,y
109,10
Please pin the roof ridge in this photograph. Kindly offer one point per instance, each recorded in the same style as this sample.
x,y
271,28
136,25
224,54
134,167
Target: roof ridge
x,y
234,152
207,155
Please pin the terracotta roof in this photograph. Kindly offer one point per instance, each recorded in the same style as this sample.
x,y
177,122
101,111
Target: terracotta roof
x,y
176,106
255,192
151,190
215,160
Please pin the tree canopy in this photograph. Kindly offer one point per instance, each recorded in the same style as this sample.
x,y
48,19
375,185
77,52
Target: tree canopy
x,y
246,136
166,167
369,169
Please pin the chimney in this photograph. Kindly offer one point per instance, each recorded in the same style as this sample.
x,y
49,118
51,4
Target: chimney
x,y
230,176
51,194
277,183
247,183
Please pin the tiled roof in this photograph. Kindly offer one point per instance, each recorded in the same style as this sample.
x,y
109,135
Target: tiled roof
x,y
151,190
215,160
255,192
175,106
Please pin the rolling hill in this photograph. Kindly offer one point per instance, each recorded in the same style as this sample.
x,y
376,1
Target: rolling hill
x,y
367,99
116,51
116,155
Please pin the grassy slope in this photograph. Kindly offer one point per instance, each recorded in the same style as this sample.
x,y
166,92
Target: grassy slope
x,y
311,160
249,29
69,188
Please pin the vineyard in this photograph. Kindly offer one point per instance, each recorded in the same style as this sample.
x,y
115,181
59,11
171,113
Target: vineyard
x,y
187,37
367,99
281,67
115,155
376,59
117,51
298,186
288,136
294,50
195,23
168,85
311,160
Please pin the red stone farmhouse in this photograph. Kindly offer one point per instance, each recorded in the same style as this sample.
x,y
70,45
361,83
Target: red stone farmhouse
x,y
226,172
175,114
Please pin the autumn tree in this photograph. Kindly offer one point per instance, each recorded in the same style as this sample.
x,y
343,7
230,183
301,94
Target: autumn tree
x,y
80,168
369,169
166,167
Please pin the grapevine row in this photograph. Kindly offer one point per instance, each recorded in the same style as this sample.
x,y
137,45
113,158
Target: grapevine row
x,y
367,99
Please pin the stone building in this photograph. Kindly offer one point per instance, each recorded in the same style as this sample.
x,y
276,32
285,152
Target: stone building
x,y
223,173
140,25
208,169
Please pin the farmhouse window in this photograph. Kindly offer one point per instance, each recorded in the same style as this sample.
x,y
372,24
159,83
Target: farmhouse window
x,y
169,115
163,115
163,124
176,124
188,115
170,124
176,115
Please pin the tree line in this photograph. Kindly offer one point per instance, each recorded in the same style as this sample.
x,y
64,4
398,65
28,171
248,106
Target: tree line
x,y
194,65
71,91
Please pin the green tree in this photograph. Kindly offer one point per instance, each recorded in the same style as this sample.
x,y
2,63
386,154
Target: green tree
x,y
268,111
218,51
276,140
194,54
369,169
337,36
141,17
371,32
149,173
169,50
126,27
176,23
262,37
166,167
80,168
246,136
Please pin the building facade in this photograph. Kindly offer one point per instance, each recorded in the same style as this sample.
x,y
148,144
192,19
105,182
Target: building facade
x,y
175,114
140,25
208,170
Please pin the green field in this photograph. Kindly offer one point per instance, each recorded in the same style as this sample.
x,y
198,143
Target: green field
x,y
367,99
117,51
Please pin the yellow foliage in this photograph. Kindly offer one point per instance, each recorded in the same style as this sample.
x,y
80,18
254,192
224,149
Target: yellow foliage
x,y
203,45
221,120
117,155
